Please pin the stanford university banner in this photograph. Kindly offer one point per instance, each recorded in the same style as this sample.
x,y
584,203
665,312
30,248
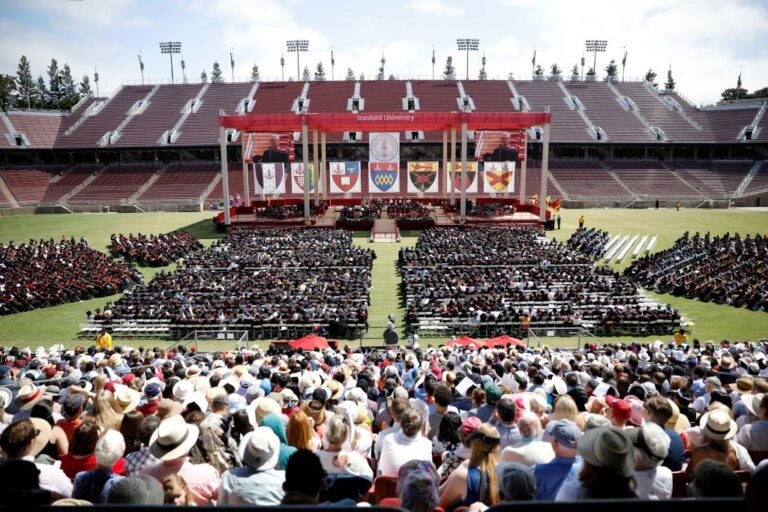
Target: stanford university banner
x,y
499,177
268,178
384,163
297,171
470,185
345,177
422,177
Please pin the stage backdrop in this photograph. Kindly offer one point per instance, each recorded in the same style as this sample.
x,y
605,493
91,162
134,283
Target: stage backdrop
x,y
470,184
345,177
422,177
499,177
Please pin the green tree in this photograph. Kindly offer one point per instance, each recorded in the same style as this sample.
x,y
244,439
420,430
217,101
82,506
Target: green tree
x,y
350,74
539,72
670,83
650,77
575,73
591,74
255,74
25,83
735,93
204,77
392,77
760,93
305,76
85,87
482,75
217,75
42,96
362,76
555,71
611,71
69,96
55,93
8,91
450,71
320,73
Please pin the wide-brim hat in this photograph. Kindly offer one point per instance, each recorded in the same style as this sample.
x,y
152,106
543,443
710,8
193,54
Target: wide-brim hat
x,y
336,388
315,410
742,385
752,403
609,448
173,438
43,437
182,389
192,370
28,396
263,407
260,449
126,399
197,398
6,397
718,425
136,490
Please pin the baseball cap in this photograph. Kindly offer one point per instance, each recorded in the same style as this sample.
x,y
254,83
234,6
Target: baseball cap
x,y
620,408
566,433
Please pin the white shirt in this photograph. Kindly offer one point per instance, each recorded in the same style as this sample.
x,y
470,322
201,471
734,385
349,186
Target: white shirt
x,y
53,479
383,435
654,484
754,436
399,449
355,463
530,453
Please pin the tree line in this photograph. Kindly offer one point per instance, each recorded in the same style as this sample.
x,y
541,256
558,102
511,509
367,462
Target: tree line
x,y
57,90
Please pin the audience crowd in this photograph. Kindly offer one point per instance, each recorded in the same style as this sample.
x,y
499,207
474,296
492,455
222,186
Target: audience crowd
x,y
724,269
266,276
515,276
394,208
47,273
449,427
154,250
488,210
590,241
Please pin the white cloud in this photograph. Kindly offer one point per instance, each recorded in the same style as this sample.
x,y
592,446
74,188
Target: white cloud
x,y
438,7
91,14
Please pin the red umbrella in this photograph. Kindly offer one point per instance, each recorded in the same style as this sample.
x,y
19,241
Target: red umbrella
x,y
465,341
310,342
504,340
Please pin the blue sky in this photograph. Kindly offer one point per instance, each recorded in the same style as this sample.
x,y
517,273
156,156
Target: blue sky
x,y
707,42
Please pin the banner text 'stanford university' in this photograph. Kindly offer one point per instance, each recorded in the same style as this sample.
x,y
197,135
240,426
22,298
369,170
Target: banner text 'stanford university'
x,y
385,117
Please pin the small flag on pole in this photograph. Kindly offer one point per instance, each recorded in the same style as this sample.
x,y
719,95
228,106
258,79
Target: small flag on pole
x,y
333,61
231,60
433,56
141,63
738,82
624,60
533,60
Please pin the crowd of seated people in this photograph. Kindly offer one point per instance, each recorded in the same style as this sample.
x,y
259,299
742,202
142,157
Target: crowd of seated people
x,y
725,269
403,208
262,277
154,250
46,273
487,210
590,241
450,427
365,211
501,275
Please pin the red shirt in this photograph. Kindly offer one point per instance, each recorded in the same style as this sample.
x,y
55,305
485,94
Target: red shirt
x,y
72,465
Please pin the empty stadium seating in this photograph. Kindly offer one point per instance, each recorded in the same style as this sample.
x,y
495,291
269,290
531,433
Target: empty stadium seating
x,y
719,179
199,128
276,97
570,127
40,128
603,108
489,95
181,182
115,183
651,106
383,95
436,96
587,180
330,96
27,185
60,186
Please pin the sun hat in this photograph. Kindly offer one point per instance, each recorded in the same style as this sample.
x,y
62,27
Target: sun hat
x,y
44,435
742,385
263,407
752,403
126,399
337,389
718,425
167,408
608,448
192,370
6,397
260,449
565,432
315,410
197,398
136,490
28,396
173,438
182,389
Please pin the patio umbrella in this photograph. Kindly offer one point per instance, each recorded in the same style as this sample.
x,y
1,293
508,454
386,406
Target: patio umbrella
x,y
504,340
310,342
465,341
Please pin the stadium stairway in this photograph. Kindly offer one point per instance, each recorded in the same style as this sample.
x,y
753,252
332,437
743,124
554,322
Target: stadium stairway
x,y
7,196
87,181
146,186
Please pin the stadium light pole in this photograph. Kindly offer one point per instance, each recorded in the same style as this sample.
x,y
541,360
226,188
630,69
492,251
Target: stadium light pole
x,y
468,45
170,47
298,46
282,66
594,46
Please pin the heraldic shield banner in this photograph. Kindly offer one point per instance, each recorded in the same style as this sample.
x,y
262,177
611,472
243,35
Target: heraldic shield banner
x,y
268,178
422,177
499,177
297,171
345,177
470,184
384,162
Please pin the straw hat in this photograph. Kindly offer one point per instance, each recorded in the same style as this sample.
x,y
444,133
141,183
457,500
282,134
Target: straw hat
x,y
742,385
260,450
182,389
173,438
126,399
752,403
718,425
263,407
44,435
336,388
28,396
6,397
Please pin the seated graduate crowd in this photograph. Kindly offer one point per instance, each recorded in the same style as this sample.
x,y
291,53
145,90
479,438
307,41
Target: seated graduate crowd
x,y
46,273
440,427
154,250
261,277
502,274
724,269
590,241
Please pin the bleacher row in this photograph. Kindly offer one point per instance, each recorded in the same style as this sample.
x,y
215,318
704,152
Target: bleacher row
x,y
197,182
141,115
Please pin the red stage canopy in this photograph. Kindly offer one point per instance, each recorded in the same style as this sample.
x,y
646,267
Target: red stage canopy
x,y
386,121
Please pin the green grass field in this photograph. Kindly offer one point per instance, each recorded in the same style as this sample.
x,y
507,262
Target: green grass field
x,y
61,324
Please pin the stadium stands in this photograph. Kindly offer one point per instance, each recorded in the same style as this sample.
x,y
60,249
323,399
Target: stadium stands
x,y
235,176
27,185
383,95
39,128
652,107
587,180
604,110
570,127
719,179
199,128
489,95
115,183
330,96
60,186
181,182
276,97
726,125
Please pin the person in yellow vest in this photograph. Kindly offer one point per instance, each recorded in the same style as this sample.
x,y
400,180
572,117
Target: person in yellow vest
x,y
104,339
581,222
680,337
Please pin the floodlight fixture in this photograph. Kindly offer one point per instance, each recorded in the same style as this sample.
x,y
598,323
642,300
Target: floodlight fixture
x,y
468,45
297,46
595,46
170,47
